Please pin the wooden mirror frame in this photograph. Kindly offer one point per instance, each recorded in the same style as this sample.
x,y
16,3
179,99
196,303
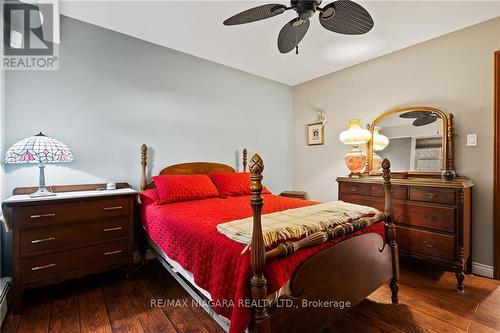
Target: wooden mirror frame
x,y
448,135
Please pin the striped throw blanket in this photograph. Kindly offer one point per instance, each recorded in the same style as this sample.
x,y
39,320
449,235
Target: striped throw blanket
x,y
297,222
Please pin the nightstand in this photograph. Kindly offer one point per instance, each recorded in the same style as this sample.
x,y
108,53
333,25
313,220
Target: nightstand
x,y
70,235
295,194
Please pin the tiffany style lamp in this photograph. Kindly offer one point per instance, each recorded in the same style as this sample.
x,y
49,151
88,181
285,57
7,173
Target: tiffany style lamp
x,y
42,150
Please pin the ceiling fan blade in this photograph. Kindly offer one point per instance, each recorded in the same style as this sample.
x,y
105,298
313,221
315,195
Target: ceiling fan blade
x,y
422,121
415,114
256,14
346,17
291,34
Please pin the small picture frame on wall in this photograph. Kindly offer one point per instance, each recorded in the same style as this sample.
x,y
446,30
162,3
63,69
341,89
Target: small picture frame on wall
x,y
315,134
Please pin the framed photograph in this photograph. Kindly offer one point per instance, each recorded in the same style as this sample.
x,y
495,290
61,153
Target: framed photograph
x,y
315,134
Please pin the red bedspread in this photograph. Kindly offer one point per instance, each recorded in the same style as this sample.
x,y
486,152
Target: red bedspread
x,y
186,231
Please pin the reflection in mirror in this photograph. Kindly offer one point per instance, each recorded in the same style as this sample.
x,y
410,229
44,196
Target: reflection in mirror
x,y
415,141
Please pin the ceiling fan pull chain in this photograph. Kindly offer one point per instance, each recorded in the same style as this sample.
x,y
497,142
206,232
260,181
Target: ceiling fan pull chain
x,y
297,49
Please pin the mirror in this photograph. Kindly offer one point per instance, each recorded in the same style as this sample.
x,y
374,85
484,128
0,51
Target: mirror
x,y
413,139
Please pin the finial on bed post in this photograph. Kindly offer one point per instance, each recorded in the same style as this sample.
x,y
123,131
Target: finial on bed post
x,y
390,231
261,319
245,158
144,163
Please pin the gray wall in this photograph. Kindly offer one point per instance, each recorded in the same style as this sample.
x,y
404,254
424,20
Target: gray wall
x,y
399,153
453,72
113,92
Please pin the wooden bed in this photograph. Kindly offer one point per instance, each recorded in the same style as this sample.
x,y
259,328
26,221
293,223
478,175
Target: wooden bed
x,y
350,270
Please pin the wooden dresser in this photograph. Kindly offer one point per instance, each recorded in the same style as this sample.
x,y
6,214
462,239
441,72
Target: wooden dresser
x,y
68,235
433,217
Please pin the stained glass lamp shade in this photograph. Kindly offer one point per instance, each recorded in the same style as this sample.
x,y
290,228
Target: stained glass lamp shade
x,y
42,150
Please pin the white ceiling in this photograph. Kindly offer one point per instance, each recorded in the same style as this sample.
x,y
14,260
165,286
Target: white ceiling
x,y
195,27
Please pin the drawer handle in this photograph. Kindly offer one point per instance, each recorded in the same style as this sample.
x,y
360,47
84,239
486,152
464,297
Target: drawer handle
x,y
110,253
43,215
430,195
113,208
37,268
353,189
112,229
429,217
430,244
36,241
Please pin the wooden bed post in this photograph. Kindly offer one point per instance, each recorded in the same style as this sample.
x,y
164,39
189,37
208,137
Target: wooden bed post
x,y
261,320
144,163
390,231
245,158
450,165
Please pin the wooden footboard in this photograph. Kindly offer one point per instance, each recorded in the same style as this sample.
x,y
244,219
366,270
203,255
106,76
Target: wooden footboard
x,y
328,284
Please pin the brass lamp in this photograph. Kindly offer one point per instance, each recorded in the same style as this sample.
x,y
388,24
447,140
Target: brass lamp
x,y
355,136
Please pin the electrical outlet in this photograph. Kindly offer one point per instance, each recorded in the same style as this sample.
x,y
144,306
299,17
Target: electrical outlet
x,y
472,140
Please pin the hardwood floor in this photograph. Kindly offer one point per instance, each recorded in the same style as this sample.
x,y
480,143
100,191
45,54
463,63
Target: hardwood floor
x,y
109,303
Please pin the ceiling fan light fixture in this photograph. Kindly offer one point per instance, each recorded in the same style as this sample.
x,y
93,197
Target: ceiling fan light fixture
x,y
278,10
327,13
298,22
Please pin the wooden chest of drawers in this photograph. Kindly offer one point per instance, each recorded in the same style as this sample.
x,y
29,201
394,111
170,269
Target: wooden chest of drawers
x,y
433,217
68,236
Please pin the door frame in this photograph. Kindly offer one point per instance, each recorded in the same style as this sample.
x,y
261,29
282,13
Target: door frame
x,y
496,170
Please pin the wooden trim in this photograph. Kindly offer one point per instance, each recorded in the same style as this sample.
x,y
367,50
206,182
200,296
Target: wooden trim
x,y
67,188
496,171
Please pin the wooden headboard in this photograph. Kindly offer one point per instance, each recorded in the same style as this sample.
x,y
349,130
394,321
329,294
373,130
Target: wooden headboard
x,y
193,168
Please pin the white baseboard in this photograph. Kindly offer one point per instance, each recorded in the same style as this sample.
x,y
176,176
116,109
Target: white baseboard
x,y
482,269
5,284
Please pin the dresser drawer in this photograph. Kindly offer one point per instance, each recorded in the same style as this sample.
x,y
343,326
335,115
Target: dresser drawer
x,y
425,242
50,213
435,195
397,192
54,264
50,238
353,188
435,218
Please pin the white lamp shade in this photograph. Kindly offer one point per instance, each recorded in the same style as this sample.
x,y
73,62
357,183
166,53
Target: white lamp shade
x,y
38,149
355,135
379,141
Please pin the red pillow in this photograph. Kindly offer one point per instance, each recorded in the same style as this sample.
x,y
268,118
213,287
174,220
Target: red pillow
x,y
173,188
149,197
234,184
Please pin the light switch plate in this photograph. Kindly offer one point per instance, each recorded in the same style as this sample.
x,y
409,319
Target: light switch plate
x,y
472,140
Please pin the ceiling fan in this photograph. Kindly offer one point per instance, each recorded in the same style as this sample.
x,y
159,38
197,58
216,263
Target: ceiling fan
x,y
421,117
341,16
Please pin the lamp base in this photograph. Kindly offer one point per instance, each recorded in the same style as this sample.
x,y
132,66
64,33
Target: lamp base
x,y
42,192
355,161
356,175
